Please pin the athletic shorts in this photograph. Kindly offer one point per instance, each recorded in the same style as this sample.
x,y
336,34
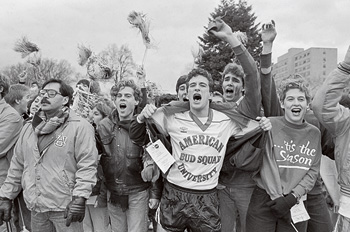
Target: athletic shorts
x,y
195,210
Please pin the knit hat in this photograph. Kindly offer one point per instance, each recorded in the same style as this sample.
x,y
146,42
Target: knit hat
x,y
180,81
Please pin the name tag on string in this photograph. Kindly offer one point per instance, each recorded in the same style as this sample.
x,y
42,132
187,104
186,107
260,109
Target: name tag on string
x,y
299,213
160,155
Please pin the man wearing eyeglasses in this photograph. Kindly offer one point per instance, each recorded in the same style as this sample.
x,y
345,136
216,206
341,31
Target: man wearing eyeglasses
x,y
55,161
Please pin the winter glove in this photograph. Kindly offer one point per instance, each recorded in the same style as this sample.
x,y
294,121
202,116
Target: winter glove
x,y
75,210
5,210
281,206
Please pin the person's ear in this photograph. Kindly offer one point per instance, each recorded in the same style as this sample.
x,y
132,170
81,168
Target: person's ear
x,y
282,104
65,100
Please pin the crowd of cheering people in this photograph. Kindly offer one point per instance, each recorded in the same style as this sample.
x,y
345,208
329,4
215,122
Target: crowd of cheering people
x,y
251,158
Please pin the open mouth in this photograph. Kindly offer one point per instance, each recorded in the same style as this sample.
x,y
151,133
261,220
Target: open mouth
x,y
122,106
197,97
296,111
229,91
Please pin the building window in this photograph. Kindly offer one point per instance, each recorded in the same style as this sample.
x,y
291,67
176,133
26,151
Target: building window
x,y
324,66
324,73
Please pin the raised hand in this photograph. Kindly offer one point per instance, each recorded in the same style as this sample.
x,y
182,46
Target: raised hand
x,y
220,29
140,73
141,76
268,32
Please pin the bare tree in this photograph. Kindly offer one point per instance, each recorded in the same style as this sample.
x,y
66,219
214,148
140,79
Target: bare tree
x,y
47,69
122,60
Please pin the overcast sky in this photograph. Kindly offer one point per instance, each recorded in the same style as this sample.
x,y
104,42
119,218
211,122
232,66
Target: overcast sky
x,y
58,26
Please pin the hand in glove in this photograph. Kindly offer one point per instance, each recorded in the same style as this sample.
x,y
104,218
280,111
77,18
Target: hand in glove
x,y
281,206
75,210
5,210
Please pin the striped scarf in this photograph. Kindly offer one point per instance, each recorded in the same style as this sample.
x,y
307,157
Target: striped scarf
x,y
42,126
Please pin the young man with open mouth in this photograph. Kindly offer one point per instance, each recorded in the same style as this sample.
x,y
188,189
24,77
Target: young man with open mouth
x,y
199,135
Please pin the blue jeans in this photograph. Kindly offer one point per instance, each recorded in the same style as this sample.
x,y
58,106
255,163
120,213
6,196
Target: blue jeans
x,y
49,221
135,218
320,220
233,200
96,219
260,217
20,212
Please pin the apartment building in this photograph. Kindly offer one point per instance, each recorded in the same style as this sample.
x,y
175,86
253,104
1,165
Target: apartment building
x,y
314,64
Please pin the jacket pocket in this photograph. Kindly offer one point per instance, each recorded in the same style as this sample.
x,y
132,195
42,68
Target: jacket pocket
x,y
134,158
68,184
134,151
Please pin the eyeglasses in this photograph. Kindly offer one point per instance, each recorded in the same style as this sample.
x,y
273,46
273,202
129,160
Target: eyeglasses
x,y
50,92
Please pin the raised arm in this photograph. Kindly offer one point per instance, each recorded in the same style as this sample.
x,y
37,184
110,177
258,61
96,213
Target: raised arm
x,y
325,105
137,130
141,76
250,105
270,101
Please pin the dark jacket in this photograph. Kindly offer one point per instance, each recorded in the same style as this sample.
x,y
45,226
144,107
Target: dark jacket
x,y
122,162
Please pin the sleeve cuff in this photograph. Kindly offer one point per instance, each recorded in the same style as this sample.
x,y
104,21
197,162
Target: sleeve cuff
x,y
239,50
344,67
265,60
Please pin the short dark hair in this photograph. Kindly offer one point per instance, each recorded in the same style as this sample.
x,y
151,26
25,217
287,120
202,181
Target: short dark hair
x,y
16,92
200,72
65,90
234,69
5,84
180,81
